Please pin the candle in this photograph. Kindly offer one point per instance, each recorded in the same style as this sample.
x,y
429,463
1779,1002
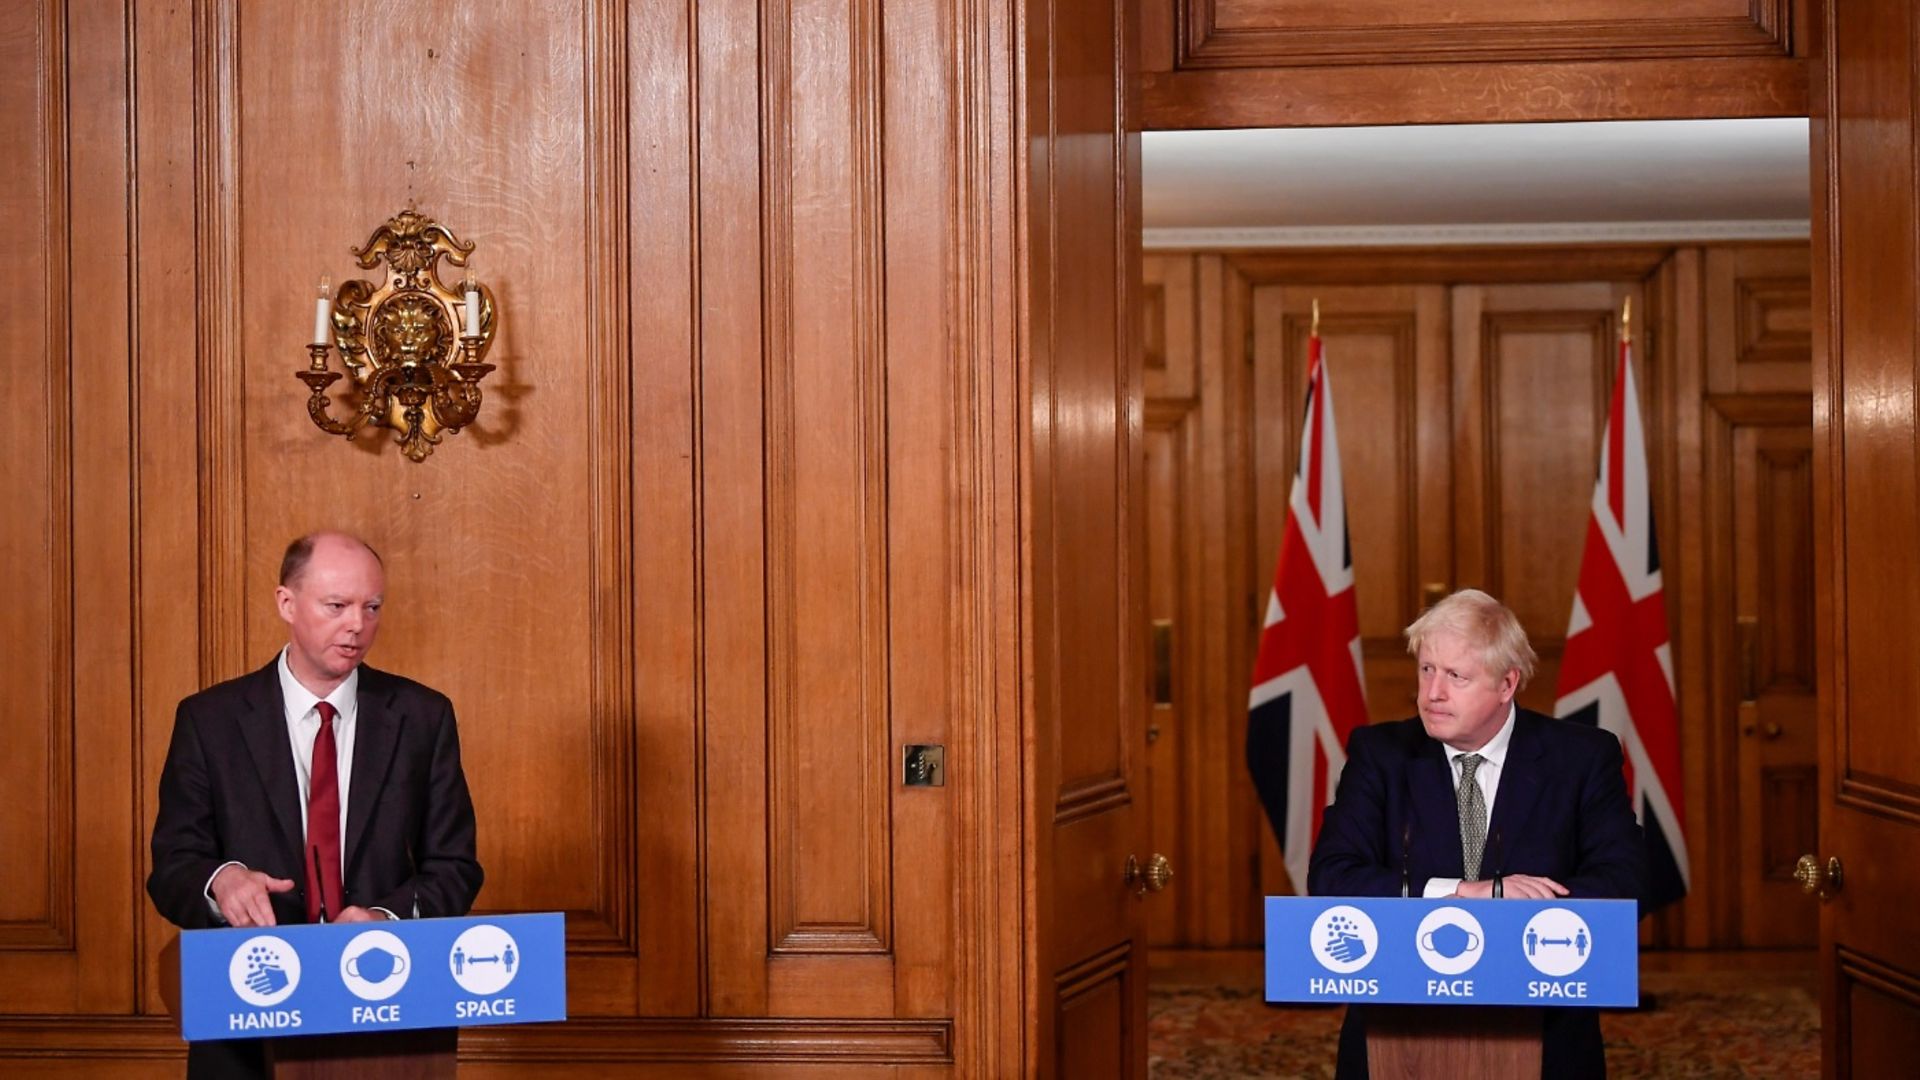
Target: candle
x,y
320,312
473,306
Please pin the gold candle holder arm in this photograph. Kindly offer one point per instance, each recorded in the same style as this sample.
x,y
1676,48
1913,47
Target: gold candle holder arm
x,y
319,406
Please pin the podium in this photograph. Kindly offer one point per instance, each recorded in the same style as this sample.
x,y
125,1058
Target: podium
x,y
1484,1040
421,1054
1453,987
370,1001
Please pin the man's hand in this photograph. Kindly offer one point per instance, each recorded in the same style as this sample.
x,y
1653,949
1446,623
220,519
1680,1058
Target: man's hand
x,y
1514,887
241,895
356,913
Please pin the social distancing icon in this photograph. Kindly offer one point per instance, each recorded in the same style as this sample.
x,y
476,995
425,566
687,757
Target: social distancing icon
x,y
1557,942
484,959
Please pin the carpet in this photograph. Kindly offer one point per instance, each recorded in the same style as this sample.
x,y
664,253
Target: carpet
x,y
1705,1026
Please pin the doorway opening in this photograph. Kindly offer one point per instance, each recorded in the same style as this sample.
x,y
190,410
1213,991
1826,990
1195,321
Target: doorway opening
x,y
1470,280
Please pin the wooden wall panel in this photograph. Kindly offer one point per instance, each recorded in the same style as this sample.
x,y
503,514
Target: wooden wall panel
x,y
927,528
65,933
1275,63
1758,314
1302,32
38,684
827,522
543,611
1533,371
662,224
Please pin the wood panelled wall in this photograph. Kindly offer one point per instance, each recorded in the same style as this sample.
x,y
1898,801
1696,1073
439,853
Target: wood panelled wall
x,y
1303,63
1472,389
745,512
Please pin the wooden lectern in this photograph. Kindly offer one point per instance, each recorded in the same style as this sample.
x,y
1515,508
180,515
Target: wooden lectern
x,y
422,1054
1453,1041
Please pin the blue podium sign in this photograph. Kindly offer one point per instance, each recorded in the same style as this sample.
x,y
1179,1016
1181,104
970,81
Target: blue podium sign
x,y
1452,951
329,978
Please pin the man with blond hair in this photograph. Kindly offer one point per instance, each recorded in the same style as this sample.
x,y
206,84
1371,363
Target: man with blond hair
x,y
1479,798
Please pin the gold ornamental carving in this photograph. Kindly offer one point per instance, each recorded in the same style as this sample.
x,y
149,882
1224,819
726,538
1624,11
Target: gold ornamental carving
x,y
414,347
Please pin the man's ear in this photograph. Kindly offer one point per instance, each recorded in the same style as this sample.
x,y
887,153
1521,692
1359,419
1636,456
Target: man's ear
x,y
1509,685
283,602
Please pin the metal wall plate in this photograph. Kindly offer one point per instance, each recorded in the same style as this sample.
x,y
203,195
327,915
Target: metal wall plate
x,y
924,766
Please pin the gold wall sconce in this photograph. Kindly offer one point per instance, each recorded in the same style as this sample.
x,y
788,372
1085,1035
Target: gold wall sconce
x,y
414,373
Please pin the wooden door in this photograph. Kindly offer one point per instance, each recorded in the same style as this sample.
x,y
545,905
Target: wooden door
x,y
1770,504
1083,522
1866,470
1532,377
1758,470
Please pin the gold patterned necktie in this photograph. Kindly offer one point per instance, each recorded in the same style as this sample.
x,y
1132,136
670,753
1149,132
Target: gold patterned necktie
x,y
1473,815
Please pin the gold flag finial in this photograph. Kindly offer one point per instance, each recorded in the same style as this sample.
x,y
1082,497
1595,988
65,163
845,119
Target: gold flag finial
x,y
1316,317
1626,321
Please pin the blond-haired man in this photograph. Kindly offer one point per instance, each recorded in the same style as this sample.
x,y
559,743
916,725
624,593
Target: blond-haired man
x,y
1476,797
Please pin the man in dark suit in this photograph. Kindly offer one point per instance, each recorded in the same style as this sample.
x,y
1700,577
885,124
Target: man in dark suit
x,y
316,787
1478,798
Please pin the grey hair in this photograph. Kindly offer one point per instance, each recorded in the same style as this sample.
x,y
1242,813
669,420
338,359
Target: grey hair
x,y
1488,625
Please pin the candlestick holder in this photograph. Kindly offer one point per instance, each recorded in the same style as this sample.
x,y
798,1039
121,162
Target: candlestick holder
x,y
413,373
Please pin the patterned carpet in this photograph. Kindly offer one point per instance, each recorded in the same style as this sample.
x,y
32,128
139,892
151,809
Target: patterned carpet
x,y
1704,1025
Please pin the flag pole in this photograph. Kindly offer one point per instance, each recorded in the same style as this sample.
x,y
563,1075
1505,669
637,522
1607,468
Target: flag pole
x,y
1315,332
1626,322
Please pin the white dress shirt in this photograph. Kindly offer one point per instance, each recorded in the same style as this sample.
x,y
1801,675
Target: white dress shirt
x,y
303,728
1493,756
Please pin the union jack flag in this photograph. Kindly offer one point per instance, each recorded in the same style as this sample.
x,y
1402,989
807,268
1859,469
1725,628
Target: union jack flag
x,y
1307,692
1617,671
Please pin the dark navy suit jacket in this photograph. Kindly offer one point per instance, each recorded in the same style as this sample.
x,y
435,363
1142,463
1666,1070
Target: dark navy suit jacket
x,y
1561,811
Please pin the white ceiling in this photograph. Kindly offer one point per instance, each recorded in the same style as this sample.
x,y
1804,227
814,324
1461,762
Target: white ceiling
x,y
1674,179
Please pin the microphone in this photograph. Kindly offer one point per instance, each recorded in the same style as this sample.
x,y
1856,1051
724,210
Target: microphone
x,y
1406,848
320,881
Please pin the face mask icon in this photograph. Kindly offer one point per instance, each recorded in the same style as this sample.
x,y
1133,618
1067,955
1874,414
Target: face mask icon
x,y
1450,940
375,964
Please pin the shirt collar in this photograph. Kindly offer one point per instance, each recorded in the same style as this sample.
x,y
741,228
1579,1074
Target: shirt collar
x,y
300,700
1495,752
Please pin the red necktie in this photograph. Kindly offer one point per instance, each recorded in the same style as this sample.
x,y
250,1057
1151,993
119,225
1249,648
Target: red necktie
x,y
323,822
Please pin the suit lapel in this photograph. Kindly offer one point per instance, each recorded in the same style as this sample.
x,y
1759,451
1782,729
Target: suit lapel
x,y
1431,790
264,729
376,732
1520,778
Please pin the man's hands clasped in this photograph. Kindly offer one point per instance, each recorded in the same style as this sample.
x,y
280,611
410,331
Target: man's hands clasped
x,y
1515,887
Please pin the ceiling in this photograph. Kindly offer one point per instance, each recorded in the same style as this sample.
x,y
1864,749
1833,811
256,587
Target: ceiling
x,y
1479,183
